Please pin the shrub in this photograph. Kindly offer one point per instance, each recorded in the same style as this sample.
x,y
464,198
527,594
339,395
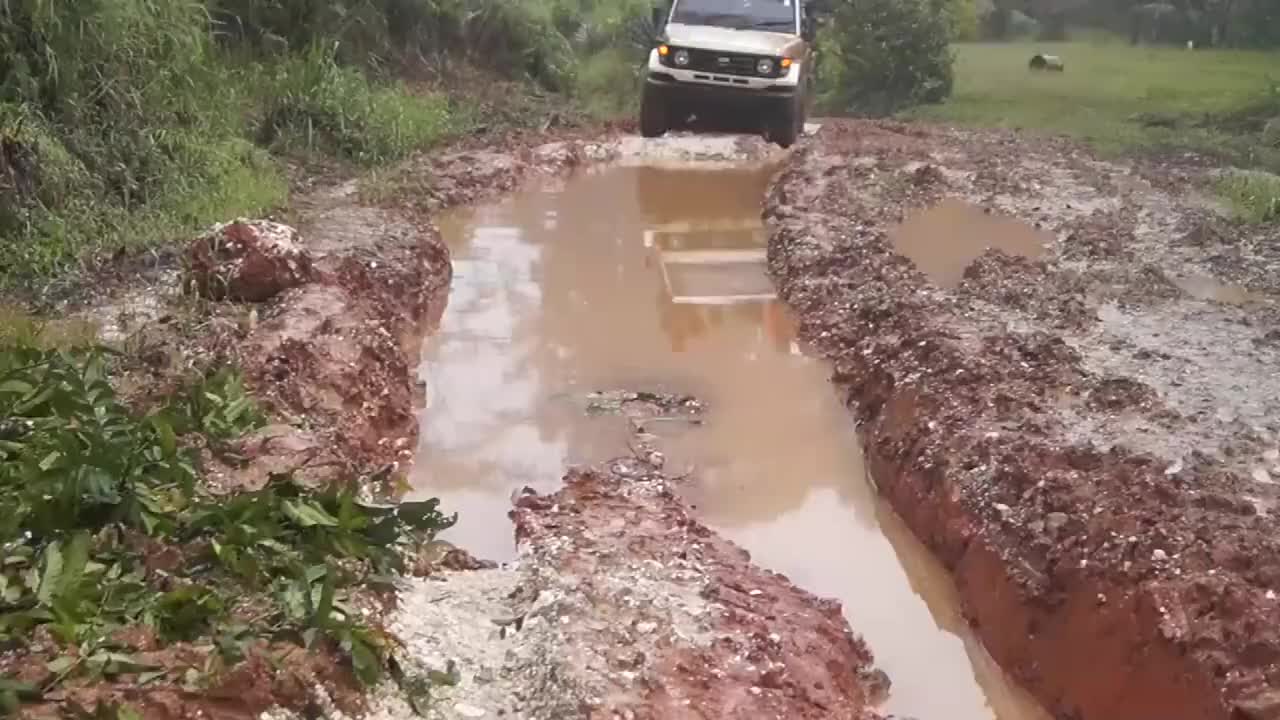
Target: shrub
x,y
964,16
608,84
881,56
1253,194
95,494
314,104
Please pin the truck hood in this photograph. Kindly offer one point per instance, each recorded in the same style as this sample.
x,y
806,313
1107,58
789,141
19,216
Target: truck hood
x,y
752,42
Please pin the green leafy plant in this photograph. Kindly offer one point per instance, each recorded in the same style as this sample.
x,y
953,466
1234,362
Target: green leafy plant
x,y
108,527
881,56
1254,194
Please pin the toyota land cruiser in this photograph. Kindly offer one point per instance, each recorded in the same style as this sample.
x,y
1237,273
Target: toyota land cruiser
x,y
753,56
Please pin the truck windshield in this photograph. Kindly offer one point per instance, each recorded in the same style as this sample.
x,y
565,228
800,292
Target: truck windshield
x,y
773,15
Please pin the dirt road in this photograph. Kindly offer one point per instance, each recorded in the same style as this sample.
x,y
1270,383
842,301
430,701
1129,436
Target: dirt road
x,y
1085,432
1069,444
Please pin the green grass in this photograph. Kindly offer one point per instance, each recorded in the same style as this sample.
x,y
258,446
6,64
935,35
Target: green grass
x,y
1106,85
1254,195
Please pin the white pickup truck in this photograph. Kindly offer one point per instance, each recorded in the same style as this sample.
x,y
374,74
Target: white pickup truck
x,y
748,56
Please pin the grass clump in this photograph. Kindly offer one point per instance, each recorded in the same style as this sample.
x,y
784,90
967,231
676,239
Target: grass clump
x,y
315,105
1254,195
108,529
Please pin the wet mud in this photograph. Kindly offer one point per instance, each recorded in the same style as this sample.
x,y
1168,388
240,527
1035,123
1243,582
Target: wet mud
x,y
1084,436
628,309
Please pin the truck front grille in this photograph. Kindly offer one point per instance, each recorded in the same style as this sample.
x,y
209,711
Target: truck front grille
x,y
726,63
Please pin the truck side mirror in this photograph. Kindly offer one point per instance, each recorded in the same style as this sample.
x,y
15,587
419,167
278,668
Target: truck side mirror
x,y
808,29
659,18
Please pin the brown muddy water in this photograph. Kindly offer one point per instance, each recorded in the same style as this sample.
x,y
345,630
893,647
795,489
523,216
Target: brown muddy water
x,y
943,240
654,279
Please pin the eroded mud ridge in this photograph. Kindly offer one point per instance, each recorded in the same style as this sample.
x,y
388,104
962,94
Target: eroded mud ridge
x,y
625,606
1087,439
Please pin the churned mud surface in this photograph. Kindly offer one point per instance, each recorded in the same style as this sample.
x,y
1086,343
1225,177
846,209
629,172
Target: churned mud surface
x,y
627,308
623,605
1083,422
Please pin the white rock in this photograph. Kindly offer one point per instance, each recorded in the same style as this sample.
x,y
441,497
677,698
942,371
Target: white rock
x,y
469,711
1159,555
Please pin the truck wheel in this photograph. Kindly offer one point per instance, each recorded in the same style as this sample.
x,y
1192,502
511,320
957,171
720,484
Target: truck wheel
x,y
653,114
787,125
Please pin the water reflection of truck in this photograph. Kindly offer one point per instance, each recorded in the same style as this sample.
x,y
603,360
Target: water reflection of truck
x,y
712,271
699,194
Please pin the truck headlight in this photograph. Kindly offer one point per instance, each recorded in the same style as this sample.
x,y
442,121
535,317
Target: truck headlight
x,y
681,58
764,66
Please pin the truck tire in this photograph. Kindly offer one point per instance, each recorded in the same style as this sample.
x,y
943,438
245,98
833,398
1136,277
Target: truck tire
x,y
787,124
654,120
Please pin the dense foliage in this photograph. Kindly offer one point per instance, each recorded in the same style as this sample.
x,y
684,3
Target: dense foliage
x,y
879,56
107,528
125,122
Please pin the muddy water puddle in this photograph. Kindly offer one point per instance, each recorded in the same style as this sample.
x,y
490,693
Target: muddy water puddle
x,y
654,279
945,239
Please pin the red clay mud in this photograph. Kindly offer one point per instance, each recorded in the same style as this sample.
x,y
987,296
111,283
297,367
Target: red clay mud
x,y
675,620
1082,441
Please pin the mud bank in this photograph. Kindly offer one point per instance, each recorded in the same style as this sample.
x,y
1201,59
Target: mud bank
x,y
623,606
1088,440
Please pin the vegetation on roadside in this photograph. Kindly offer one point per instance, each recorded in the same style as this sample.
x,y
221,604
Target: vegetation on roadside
x,y
109,534
1123,99
1253,194
127,123
880,56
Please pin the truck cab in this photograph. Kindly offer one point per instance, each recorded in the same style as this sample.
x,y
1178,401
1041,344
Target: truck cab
x,y
750,57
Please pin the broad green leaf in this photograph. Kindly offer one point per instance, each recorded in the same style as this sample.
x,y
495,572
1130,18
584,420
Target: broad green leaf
x,y
61,665
164,432
75,559
308,514
325,606
50,460
16,387
51,578
365,662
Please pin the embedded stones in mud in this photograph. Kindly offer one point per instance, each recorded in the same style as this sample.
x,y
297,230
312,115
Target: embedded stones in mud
x,y
622,605
249,261
1076,437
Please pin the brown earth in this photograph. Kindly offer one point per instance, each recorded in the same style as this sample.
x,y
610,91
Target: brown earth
x,y
1086,440
331,353
675,621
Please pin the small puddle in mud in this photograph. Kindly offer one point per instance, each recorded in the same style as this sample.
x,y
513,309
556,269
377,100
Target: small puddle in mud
x,y
1204,287
649,279
943,240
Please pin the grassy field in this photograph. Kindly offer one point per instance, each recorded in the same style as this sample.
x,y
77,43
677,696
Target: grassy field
x,y
1106,85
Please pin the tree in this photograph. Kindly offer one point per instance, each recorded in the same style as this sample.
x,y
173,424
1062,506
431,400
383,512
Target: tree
x,y
881,56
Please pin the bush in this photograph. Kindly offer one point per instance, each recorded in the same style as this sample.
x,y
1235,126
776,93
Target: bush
x,y
608,84
964,16
1253,194
881,56
96,497
314,104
